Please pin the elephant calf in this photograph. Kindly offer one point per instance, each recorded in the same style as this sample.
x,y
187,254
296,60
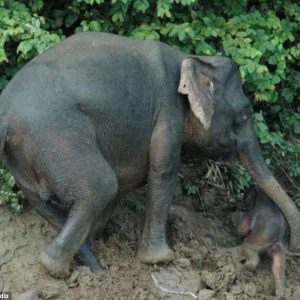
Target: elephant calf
x,y
98,114
266,231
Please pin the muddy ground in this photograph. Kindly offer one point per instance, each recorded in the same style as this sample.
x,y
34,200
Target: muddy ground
x,y
205,266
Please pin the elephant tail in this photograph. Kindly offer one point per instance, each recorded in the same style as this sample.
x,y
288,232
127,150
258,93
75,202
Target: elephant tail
x,y
3,133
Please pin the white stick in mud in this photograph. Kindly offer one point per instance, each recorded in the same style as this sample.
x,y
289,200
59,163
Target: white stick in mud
x,y
176,292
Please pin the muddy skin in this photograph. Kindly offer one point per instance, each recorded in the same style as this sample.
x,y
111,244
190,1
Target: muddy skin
x,y
98,114
265,230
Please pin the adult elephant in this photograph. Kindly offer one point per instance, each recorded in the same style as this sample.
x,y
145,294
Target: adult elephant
x,y
94,116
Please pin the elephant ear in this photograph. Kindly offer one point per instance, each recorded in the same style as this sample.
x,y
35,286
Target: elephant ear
x,y
196,82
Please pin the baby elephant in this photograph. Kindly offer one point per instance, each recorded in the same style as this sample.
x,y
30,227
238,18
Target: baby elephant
x,y
265,230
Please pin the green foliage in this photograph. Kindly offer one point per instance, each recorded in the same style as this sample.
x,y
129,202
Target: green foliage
x,y
190,188
261,36
7,193
241,179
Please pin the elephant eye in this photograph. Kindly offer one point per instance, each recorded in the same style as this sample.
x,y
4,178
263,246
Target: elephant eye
x,y
246,117
240,120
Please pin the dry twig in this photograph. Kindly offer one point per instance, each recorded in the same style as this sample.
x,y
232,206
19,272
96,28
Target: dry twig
x,y
174,292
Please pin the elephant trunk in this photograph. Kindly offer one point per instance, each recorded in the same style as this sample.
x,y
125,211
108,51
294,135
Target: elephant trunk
x,y
251,157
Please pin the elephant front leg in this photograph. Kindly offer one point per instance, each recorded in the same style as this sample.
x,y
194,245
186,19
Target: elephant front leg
x,y
153,246
164,159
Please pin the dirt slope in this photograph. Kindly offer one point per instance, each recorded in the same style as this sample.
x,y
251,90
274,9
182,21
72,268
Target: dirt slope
x,y
205,264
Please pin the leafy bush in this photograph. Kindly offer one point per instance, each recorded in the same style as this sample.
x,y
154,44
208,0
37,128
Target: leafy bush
x,y
261,36
7,193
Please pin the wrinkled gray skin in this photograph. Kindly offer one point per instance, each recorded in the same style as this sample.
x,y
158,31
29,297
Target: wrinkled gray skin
x,y
95,116
265,230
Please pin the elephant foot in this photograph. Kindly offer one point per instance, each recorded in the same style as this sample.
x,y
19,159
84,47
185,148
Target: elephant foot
x,y
95,267
280,287
155,255
55,265
86,257
279,292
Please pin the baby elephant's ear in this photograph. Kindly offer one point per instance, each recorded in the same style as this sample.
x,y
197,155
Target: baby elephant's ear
x,y
196,82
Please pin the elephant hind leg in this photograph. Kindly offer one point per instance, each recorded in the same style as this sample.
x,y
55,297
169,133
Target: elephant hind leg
x,y
278,269
99,225
57,217
89,184
80,177
86,257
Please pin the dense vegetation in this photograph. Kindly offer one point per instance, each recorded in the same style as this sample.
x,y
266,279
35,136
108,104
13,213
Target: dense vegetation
x,y
262,36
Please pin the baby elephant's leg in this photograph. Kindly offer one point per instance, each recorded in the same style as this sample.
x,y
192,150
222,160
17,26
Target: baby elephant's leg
x,y
278,269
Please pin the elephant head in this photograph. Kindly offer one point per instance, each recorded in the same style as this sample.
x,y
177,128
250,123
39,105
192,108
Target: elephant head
x,y
219,123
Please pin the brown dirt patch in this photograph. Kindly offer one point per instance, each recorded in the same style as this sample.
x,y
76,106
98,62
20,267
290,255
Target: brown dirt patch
x,y
205,263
